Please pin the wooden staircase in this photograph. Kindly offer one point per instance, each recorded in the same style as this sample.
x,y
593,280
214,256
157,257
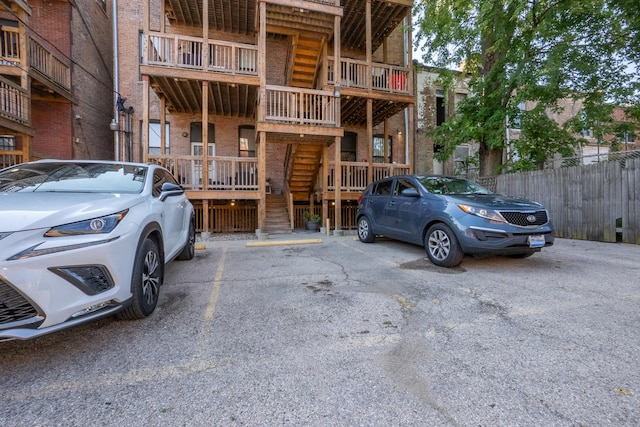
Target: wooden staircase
x,y
277,221
303,169
307,50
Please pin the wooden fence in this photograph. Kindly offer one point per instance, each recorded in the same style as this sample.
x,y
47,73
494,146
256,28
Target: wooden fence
x,y
599,202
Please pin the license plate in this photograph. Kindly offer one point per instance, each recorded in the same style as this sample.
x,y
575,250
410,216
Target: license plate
x,y
536,241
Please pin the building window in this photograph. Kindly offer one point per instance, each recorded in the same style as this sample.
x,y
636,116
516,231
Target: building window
x,y
247,141
195,132
516,122
155,146
441,115
378,149
7,142
349,147
459,98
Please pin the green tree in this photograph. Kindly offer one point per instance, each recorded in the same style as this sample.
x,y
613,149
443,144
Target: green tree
x,y
535,51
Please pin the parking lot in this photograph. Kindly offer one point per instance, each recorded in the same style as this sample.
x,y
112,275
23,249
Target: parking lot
x,y
336,332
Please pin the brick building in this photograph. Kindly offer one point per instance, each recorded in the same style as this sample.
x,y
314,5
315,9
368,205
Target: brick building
x,y
302,103
55,85
435,104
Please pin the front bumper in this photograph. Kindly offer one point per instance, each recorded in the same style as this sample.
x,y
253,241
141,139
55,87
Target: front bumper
x,y
63,286
482,240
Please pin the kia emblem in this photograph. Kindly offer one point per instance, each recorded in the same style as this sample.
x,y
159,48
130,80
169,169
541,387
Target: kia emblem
x,y
531,218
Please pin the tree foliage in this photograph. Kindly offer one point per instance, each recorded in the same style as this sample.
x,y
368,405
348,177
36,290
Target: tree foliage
x,y
534,51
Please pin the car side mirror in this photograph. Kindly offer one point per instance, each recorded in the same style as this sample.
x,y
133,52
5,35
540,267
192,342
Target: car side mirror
x,y
410,192
169,189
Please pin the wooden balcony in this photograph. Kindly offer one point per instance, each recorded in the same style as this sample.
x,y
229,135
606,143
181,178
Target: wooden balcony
x,y
49,65
11,157
377,77
354,175
15,104
193,53
300,106
10,47
45,66
230,174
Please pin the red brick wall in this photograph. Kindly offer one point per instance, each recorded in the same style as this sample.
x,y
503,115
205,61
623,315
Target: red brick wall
x,y
52,124
51,20
92,81
79,34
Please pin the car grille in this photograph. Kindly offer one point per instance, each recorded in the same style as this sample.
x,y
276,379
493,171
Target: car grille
x,y
521,219
13,306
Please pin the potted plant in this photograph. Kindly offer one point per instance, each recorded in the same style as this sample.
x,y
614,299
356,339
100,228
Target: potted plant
x,y
311,221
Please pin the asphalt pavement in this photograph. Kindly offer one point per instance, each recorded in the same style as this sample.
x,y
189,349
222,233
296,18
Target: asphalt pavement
x,y
314,330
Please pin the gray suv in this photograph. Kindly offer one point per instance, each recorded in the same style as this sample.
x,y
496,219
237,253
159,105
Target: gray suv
x,y
452,217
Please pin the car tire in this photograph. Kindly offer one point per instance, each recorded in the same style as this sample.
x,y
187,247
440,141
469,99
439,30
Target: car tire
x,y
148,274
365,232
442,246
189,249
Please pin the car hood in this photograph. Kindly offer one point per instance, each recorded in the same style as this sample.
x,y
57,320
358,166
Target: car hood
x,y
25,211
495,201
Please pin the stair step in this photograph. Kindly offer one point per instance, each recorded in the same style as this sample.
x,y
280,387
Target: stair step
x,y
277,221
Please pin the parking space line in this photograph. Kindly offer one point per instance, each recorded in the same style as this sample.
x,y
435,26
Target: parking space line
x,y
213,298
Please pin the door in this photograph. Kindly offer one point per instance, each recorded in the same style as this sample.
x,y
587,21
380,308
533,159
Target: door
x,y
406,212
378,206
196,166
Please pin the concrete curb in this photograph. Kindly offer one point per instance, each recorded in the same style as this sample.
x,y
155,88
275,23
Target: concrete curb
x,y
282,242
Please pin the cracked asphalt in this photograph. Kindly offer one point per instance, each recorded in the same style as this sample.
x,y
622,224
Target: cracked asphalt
x,y
341,333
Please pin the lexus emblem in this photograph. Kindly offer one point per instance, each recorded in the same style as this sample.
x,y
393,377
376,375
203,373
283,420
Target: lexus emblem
x,y
531,218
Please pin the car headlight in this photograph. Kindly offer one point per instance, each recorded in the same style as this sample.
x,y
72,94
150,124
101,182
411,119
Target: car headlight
x,y
100,225
489,214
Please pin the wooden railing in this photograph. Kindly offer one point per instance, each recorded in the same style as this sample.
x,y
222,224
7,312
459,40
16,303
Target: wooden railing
x,y
49,65
354,174
10,158
188,52
241,173
10,41
224,173
384,77
227,218
41,58
15,103
300,106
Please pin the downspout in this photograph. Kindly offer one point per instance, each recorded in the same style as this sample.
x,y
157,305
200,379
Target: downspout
x,y
116,79
405,55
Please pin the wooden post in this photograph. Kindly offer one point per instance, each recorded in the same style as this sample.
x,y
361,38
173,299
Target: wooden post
x,y
205,217
325,185
145,118
262,176
205,135
338,185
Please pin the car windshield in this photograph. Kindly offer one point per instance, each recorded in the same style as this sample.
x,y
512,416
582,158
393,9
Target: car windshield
x,y
73,178
451,185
